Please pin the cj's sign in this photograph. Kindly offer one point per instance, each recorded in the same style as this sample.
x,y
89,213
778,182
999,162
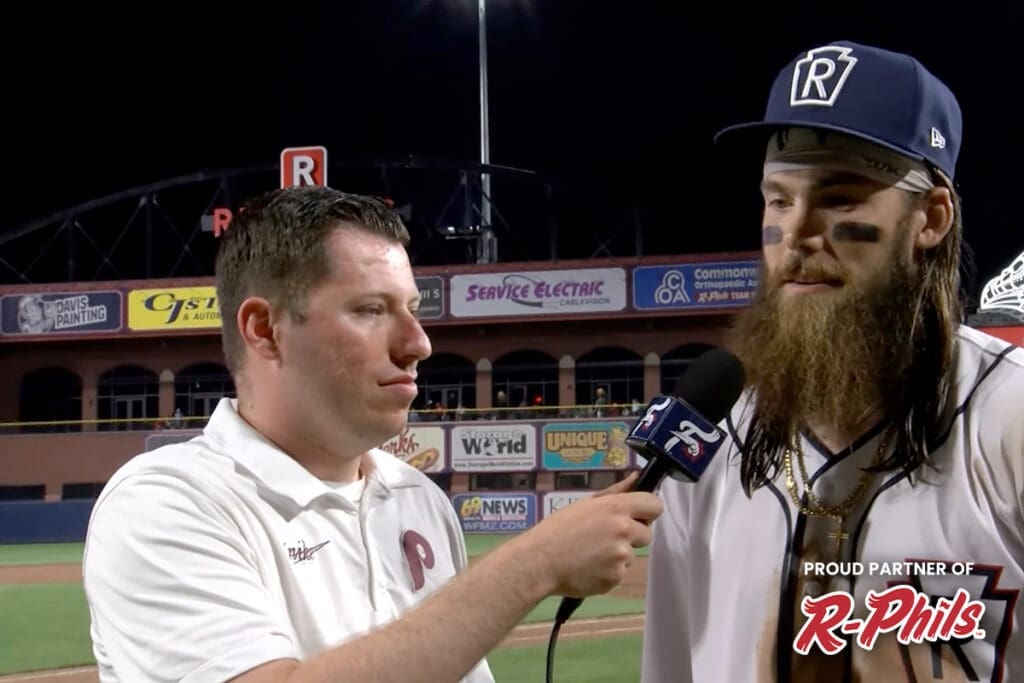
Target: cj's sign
x,y
173,308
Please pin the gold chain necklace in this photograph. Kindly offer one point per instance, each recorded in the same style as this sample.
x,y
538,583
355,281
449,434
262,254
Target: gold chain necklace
x,y
817,508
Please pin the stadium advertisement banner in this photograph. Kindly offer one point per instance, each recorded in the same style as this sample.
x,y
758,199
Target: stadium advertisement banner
x,y
421,447
431,296
174,308
54,313
157,440
538,292
492,447
553,501
585,446
495,513
1011,333
694,285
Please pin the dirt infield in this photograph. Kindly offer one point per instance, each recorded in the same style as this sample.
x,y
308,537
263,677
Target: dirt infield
x,y
79,674
41,573
576,629
633,586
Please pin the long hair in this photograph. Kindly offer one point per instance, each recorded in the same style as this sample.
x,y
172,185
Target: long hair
x,y
938,312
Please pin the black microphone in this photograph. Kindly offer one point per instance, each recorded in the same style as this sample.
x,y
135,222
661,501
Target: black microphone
x,y
679,434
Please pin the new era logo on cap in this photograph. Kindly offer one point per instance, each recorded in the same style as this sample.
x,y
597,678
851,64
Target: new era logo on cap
x,y
819,77
888,98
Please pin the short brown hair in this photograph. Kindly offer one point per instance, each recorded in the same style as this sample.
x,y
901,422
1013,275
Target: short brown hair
x,y
274,248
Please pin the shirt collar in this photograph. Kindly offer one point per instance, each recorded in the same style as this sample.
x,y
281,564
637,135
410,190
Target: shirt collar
x,y
280,472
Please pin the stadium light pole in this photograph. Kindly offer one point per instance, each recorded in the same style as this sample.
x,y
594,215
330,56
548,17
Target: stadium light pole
x,y
488,245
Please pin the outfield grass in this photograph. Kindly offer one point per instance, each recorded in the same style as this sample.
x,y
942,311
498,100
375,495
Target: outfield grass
x,y
60,553
41,553
71,553
480,544
44,626
47,626
593,607
604,660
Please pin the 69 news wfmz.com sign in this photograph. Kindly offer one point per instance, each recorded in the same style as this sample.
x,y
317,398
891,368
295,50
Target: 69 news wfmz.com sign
x,y
54,313
496,513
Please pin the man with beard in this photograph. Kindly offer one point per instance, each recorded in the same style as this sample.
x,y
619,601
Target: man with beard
x,y
880,442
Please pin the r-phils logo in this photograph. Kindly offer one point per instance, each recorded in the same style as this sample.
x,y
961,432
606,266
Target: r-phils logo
x,y
819,77
647,421
901,608
693,447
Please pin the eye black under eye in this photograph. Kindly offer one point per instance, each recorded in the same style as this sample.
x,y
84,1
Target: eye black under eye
x,y
850,231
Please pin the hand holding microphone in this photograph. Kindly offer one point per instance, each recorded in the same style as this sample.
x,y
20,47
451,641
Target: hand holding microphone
x,y
678,435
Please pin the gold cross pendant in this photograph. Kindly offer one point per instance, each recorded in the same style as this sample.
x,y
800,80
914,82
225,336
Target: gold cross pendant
x,y
839,536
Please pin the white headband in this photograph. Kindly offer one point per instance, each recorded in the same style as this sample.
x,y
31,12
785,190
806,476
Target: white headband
x,y
800,148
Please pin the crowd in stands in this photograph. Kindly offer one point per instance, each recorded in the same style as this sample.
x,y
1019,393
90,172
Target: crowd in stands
x,y
436,411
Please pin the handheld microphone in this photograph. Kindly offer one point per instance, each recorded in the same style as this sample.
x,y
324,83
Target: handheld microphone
x,y
678,435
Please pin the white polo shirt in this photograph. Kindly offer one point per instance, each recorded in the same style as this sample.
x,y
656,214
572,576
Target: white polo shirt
x,y
207,558
727,571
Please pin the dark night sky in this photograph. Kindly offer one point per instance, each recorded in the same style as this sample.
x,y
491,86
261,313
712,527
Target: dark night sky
x,y
615,103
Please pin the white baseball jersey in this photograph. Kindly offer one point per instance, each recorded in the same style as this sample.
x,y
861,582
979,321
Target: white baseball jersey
x,y
207,558
728,571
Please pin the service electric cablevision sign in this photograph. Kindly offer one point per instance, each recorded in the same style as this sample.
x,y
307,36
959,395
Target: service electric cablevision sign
x,y
538,292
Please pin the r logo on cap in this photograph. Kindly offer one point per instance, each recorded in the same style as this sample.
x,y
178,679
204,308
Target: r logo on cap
x,y
818,77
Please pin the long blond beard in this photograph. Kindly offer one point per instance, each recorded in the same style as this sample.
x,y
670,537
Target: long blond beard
x,y
833,358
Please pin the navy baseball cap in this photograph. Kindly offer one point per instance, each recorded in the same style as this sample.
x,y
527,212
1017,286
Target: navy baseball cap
x,y
884,97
